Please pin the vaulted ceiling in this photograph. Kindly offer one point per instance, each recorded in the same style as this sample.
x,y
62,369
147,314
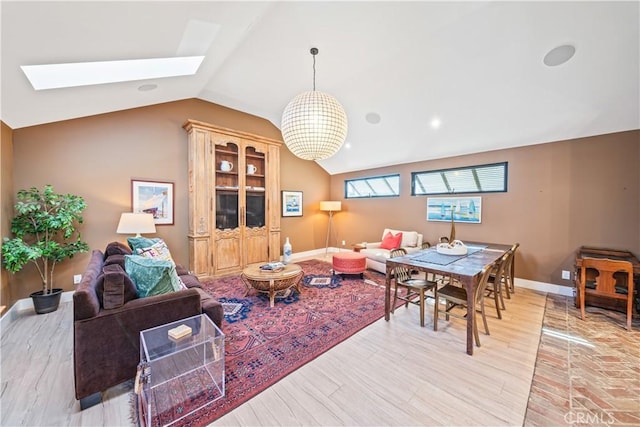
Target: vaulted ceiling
x,y
476,67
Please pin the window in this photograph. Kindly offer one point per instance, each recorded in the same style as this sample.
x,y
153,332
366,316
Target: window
x,y
376,186
471,179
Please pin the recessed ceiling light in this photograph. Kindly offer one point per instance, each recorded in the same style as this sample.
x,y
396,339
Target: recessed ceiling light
x,y
435,123
147,87
54,76
373,118
559,55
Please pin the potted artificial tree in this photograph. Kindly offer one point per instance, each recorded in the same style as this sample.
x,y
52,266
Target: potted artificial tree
x,y
45,233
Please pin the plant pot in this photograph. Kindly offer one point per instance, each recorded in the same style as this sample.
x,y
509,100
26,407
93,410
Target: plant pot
x,y
46,303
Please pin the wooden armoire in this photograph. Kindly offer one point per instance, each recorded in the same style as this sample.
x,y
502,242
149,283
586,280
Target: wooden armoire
x,y
234,199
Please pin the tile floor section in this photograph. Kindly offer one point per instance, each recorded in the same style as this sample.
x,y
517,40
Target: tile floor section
x,y
587,372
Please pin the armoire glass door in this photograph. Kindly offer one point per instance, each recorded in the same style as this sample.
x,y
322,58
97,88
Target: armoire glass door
x,y
255,188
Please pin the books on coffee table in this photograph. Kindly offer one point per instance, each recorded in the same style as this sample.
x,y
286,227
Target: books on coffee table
x,y
272,267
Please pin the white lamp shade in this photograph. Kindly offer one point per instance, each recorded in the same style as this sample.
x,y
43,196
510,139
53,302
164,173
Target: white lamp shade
x,y
332,206
136,223
314,126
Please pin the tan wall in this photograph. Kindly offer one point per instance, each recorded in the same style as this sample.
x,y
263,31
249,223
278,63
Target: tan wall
x,y
560,196
309,231
96,157
6,206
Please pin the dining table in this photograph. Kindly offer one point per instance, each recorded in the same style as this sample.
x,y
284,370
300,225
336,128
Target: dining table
x,y
466,269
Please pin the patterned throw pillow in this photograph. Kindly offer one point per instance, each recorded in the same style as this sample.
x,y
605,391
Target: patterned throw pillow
x,y
151,276
158,250
136,243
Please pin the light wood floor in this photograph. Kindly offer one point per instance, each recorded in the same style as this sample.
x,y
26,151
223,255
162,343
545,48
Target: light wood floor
x,y
390,373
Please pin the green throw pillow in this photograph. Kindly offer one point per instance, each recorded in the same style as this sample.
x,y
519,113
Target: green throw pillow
x,y
151,277
136,243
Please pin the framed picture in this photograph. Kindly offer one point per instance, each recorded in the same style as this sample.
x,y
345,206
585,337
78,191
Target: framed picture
x,y
292,203
155,198
463,209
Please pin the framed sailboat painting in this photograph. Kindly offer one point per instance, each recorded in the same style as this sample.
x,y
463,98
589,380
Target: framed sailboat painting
x,y
463,209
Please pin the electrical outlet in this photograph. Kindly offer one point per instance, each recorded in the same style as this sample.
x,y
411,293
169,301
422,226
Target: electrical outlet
x,y
77,278
566,275
343,243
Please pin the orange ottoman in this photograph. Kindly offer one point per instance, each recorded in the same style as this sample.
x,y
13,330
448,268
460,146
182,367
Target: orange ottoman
x,y
349,263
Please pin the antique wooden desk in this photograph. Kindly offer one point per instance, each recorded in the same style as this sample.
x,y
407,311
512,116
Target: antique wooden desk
x,y
594,252
466,269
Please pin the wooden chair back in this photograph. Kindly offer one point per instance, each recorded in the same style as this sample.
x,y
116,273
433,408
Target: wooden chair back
x,y
608,273
401,274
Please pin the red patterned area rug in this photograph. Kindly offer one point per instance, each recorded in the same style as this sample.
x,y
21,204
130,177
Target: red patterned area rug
x,y
263,344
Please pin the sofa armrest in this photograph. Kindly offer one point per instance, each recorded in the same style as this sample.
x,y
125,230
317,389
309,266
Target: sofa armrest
x,y
107,346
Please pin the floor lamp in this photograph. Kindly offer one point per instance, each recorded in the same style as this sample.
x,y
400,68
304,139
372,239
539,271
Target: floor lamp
x,y
331,207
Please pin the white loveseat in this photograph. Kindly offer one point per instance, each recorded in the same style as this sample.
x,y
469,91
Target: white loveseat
x,y
377,257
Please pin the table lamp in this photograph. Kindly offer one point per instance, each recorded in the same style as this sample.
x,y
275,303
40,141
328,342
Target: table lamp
x,y
136,223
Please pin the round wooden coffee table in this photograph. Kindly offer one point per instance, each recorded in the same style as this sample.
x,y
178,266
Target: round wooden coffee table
x,y
270,282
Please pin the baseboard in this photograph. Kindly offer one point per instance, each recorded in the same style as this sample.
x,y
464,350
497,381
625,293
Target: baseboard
x,y
314,253
549,288
25,304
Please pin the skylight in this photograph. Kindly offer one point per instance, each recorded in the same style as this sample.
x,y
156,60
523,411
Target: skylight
x,y
54,76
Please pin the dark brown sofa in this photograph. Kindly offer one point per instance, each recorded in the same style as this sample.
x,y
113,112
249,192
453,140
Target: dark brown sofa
x,y
107,341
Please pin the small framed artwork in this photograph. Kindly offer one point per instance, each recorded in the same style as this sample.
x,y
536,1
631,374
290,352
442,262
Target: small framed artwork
x,y
292,203
463,209
153,197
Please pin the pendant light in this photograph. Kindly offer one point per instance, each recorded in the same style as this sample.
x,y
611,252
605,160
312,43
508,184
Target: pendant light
x,y
314,124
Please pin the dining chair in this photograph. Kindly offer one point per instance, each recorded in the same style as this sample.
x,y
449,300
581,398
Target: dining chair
x,y
415,287
497,283
510,271
455,296
602,276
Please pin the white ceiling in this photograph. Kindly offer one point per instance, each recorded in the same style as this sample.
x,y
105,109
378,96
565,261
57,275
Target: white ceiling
x,y
477,66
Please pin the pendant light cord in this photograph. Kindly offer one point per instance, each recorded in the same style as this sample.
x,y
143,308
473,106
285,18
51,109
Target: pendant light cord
x,y
314,52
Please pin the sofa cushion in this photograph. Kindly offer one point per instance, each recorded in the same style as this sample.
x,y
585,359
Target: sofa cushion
x,y
115,259
190,281
117,286
377,254
181,270
409,239
116,248
85,299
113,293
391,241
151,277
